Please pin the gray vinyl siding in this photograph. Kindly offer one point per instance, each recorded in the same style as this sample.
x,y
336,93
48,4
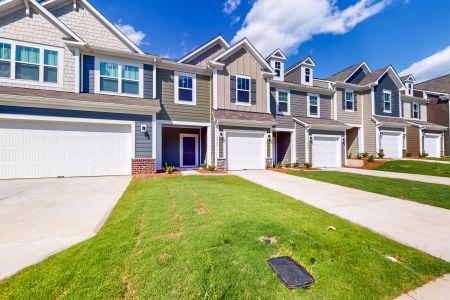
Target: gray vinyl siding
x,y
300,143
143,143
283,121
179,112
327,132
148,81
326,111
386,83
349,117
294,76
369,125
171,144
205,57
357,76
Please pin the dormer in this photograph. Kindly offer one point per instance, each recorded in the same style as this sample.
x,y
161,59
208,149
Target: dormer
x,y
302,72
276,61
408,81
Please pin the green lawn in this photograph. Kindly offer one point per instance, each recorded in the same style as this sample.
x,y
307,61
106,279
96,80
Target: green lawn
x,y
426,193
198,237
416,167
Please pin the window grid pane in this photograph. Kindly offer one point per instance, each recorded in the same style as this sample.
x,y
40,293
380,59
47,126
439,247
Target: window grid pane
x,y
243,89
5,51
185,82
50,58
109,70
27,55
313,105
130,73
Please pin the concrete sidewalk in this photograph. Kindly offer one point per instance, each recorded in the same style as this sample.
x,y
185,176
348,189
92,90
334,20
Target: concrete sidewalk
x,y
40,217
417,225
414,177
438,289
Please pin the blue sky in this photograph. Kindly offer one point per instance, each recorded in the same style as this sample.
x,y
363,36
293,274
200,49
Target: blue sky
x,y
335,33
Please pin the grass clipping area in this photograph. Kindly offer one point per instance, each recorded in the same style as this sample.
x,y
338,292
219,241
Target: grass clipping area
x,y
199,237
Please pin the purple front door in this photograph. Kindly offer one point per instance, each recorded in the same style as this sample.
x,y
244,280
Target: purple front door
x,y
189,153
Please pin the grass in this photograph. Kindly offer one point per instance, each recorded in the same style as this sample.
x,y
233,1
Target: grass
x,y
416,167
425,193
197,237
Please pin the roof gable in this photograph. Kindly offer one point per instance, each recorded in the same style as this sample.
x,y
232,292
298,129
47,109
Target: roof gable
x,y
346,74
408,77
304,61
278,54
438,85
375,76
218,40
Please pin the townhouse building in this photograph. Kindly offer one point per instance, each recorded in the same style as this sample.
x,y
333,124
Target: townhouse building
x,y
78,98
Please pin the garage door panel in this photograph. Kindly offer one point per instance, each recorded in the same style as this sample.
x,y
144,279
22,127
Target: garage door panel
x,y
245,151
326,152
432,145
392,144
50,149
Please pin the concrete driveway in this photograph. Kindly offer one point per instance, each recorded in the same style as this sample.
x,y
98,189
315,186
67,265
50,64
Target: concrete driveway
x,y
39,217
417,225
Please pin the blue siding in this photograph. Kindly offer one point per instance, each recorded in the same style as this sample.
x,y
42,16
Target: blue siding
x,y
88,74
387,83
148,81
357,76
143,141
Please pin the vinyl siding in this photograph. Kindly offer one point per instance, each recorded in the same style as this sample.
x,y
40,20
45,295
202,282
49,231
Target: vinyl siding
x,y
148,81
438,113
369,124
349,117
295,75
413,140
300,143
357,76
143,143
179,112
283,121
386,83
206,56
241,63
407,111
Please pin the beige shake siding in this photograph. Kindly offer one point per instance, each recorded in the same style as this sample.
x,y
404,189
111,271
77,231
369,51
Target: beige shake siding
x,y
165,90
349,117
88,27
241,63
369,124
20,27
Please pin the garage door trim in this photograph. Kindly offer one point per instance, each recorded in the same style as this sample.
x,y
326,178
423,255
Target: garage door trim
x,y
434,135
339,147
402,140
243,131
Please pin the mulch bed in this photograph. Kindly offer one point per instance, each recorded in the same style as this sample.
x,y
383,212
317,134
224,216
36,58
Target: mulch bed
x,y
372,165
158,174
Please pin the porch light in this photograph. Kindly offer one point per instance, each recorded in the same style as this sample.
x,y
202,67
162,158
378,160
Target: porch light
x,y
269,138
221,136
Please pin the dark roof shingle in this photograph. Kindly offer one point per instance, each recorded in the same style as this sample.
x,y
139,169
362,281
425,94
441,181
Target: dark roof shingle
x,y
344,74
439,84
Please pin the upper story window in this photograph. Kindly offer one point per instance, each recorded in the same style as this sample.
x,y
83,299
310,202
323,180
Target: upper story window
x,y
35,64
349,100
415,110
409,88
283,99
387,101
313,105
307,75
243,89
278,68
116,77
185,88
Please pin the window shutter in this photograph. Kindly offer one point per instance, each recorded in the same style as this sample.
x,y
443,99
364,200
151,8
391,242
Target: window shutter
x,y
233,89
344,100
355,102
412,111
382,102
253,87
420,112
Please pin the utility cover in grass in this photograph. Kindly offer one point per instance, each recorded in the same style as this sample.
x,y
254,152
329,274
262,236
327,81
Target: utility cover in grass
x,y
291,273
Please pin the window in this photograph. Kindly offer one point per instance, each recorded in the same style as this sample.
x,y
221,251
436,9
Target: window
x,y
282,98
36,64
387,98
313,105
349,100
185,88
307,75
415,110
27,63
409,88
5,60
278,68
243,89
119,78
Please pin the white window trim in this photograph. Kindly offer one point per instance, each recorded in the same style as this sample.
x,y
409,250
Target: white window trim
x,y
274,62
353,100
249,103
183,135
120,63
194,88
41,48
308,106
418,110
288,102
303,75
409,90
384,101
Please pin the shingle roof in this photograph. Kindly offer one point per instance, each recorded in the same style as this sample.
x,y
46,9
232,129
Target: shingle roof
x,y
243,116
323,122
372,77
391,120
429,125
412,98
88,97
439,84
344,74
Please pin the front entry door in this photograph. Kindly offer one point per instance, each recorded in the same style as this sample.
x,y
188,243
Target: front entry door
x,y
189,150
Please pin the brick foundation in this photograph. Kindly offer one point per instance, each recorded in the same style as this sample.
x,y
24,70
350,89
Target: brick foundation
x,y
221,162
143,166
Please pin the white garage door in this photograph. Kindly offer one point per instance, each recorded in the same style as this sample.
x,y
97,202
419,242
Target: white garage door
x,y
50,149
326,152
432,145
245,151
392,144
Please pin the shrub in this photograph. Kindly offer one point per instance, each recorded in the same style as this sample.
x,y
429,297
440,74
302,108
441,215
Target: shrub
x,y
371,158
287,165
380,155
349,155
409,154
168,169
365,154
204,166
307,165
279,165
296,165
211,168
424,154
359,156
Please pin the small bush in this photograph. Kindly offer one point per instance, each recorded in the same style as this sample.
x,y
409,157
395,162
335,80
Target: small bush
x,y
409,154
307,165
380,155
279,165
204,166
349,155
296,165
371,158
359,156
287,165
424,154
365,154
211,168
168,169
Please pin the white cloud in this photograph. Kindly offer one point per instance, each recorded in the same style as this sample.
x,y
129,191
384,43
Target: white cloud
x,y
136,37
230,5
235,20
289,23
433,66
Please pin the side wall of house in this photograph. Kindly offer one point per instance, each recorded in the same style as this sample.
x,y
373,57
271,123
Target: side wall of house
x,y
369,125
349,117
